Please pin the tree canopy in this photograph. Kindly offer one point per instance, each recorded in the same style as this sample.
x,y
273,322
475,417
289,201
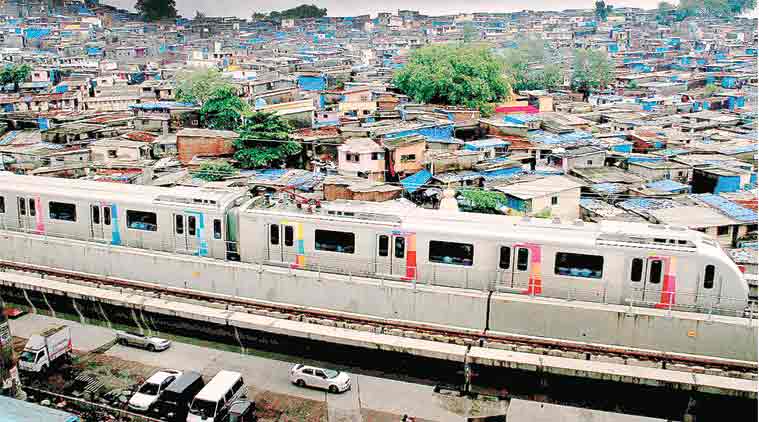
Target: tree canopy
x,y
223,109
264,139
300,12
708,8
591,70
477,200
466,75
529,67
14,74
154,10
602,10
213,171
199,85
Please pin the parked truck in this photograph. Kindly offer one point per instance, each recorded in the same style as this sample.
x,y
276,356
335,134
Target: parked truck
x,y
45,348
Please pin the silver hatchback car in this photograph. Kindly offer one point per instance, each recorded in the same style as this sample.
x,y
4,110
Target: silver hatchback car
x,y
154,344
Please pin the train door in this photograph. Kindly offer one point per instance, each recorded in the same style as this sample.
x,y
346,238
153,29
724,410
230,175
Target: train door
x,y
521,267
711,287
282,247
390,258
646,275
187,232
100,222
505,269
27,213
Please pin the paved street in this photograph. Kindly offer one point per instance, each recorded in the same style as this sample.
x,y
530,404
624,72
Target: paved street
x,y
373,393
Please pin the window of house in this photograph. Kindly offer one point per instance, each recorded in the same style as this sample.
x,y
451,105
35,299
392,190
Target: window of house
x,y
451,253
274,234
334,241
289,235
217,229
504,262
590,162
400,247
61,211
142,220
408,157
179,224
636,270
709,276
579,265
111,153
723,230
378,156
554,200
383,245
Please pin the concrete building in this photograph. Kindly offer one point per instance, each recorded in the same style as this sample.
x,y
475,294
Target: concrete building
x,y
554,196
362,157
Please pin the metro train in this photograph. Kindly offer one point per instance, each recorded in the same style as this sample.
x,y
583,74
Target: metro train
x,y
611,262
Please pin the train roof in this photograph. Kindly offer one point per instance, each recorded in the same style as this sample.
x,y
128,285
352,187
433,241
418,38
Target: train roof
x,y
100,191
406,214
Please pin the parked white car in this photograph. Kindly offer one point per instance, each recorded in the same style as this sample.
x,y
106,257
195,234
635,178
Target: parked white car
x,y
327,379
149,392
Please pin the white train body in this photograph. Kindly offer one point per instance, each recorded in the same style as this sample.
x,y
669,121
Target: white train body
x,y
611,262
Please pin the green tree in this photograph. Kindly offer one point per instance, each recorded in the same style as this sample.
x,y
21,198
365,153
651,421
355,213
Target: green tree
x,y
633,84
591,70
601,11
14,74
467,75
528,67
710,89
300,12
482,200
154,10
713,8
213,171
553,76
199,85
264,139
224,109
664,11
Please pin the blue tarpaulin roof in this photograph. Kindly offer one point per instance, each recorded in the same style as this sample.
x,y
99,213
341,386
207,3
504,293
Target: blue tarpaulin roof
x,y
729,208
415,181
667,186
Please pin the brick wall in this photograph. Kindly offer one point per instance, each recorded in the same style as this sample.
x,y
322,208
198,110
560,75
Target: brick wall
x,y
190,146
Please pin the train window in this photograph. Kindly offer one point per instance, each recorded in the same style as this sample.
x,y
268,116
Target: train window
x,y
22,206
217,229
579,265
504,262
95,214
655,268
636,270
142,220
658,240
451,253
62,211
332,241
384,244
289,235
191,225
709,276
523,254
2,205
723,230
274,234
107,216
32,207
400,247
179,224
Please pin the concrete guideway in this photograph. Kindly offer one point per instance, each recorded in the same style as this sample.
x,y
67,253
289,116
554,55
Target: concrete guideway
x,y
443,351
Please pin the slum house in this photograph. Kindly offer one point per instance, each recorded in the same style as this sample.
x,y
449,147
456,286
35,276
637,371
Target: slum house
x,y
193,143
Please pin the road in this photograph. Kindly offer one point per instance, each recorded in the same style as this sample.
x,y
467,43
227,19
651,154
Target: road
x,y
368,393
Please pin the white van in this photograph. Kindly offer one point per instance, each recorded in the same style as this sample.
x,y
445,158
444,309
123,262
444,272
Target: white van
x,y
211,404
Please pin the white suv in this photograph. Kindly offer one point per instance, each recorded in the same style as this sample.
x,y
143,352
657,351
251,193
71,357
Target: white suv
x,y
328,379
147,395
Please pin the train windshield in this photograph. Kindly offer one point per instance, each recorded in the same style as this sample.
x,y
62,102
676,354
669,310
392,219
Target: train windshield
x,y
203,408
149,389
27,356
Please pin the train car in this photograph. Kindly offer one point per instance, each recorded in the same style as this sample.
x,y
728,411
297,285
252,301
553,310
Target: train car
x,y
179,220
612,262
